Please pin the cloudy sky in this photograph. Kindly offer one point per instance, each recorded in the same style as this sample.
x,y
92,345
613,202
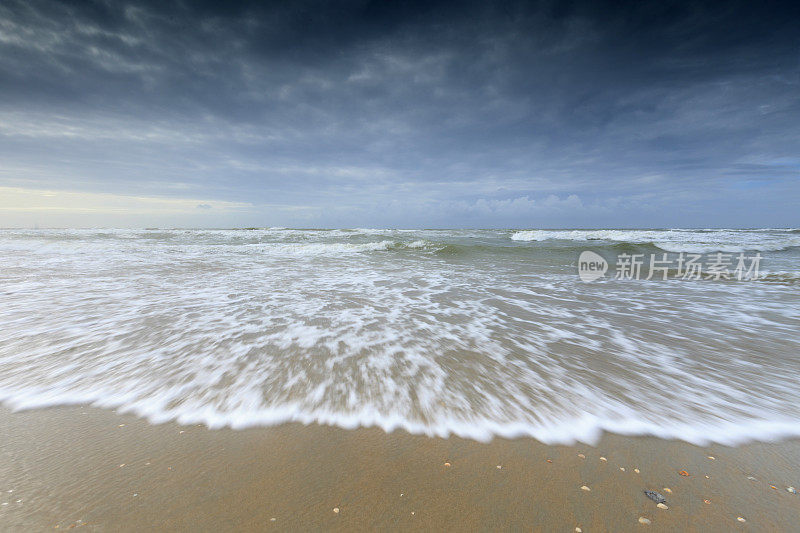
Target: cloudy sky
x,y
399,114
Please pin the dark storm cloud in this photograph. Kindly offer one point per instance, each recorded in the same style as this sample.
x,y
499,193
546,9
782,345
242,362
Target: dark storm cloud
x,y
355,113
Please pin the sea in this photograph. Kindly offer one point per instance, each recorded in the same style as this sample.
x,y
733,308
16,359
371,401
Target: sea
x,y
474,333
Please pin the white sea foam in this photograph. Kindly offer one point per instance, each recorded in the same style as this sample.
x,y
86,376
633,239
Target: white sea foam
x,y
325,248
241,328
676,240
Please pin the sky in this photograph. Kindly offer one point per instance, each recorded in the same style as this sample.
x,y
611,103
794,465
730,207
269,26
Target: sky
x,y
399,114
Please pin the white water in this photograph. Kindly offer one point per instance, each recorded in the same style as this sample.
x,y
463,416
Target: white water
x,y
677,240
387,328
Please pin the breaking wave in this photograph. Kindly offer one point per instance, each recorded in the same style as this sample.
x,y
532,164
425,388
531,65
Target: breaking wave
x,y
477,333
676,240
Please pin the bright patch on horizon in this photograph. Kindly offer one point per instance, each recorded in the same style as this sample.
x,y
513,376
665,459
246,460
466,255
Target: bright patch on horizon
x,y
33,200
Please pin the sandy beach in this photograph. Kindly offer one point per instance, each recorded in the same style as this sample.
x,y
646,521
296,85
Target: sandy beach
x,y
89,468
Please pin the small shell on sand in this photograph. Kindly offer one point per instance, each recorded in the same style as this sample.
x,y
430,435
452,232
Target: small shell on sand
x,y
447,464
791,489
684,473
707,502
668,490
712,457
336,510
751,478
603,459
662,506
740,519
549,461
578,530
773,487
622,468
413,513
499,467
643,520
272,519
636,470
584,487
581,456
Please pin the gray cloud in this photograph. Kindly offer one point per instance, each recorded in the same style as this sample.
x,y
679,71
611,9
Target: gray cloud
x,y
365,113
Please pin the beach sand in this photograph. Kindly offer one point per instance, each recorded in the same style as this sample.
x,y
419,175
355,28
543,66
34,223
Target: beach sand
x,y
94,469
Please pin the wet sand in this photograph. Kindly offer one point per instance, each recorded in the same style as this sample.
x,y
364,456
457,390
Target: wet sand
x,y
98,470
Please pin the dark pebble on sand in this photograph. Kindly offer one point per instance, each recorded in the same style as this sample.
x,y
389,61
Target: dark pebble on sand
x,y
655,496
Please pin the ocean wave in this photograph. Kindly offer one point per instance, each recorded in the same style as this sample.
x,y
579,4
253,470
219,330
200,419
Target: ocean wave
x,y
323,241
434,332
675,240
171,245
327,248
341,248
586,429
784,277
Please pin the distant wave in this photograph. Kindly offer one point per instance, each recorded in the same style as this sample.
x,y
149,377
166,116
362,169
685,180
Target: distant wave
x,y
339,248
676,240
75,246
325,248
